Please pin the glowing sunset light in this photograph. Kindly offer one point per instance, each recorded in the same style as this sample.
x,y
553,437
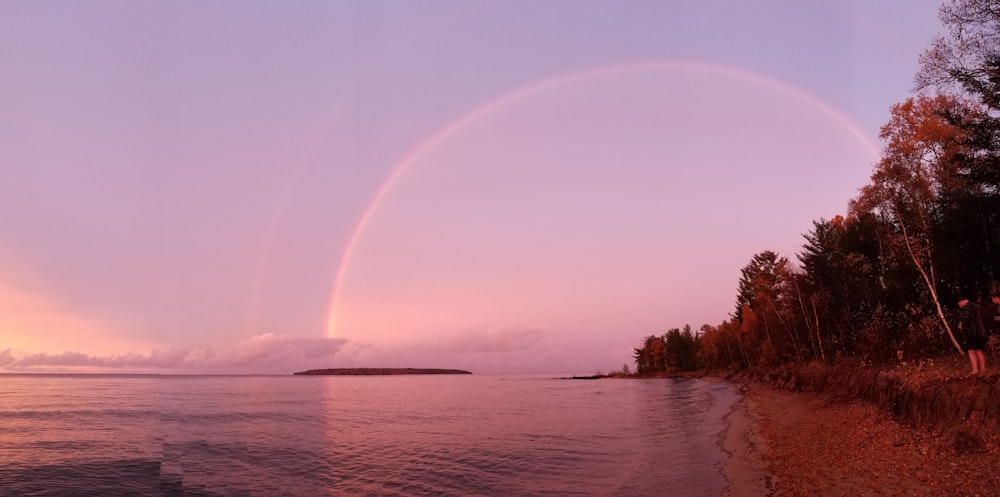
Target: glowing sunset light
x,y
32,323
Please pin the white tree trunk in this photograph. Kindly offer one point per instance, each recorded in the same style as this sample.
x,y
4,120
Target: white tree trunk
x,y
930,285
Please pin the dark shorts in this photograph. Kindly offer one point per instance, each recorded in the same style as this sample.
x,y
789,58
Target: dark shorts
x,y
975,343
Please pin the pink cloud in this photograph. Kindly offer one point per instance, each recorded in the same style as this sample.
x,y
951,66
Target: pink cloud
x,y
494,340
270,348
155,359
269,352
6,357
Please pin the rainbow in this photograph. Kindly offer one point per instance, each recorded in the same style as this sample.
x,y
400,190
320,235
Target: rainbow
x,y
544,85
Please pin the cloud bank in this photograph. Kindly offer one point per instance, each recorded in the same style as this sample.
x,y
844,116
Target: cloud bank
x,y
265,353
498,350
494,340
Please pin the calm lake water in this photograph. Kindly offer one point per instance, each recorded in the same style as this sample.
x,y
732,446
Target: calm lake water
x,y
436,435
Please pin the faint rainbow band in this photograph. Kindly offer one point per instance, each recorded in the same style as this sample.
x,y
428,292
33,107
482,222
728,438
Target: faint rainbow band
x,y
546,84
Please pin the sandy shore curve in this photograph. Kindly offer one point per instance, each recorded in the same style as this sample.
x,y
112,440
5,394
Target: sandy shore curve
x,y
745,470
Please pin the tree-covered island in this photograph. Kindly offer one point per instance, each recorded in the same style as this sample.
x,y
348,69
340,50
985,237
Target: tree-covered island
x,y
378,371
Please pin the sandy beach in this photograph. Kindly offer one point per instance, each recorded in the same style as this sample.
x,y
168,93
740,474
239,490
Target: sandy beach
x,y
800,444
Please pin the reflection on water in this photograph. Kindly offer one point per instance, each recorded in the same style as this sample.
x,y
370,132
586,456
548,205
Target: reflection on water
x,y
399,435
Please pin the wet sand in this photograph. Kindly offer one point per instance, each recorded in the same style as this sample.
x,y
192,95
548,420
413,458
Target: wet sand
x,y
745,470
798,444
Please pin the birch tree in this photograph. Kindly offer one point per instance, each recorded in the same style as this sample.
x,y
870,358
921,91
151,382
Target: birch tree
x,y
920,158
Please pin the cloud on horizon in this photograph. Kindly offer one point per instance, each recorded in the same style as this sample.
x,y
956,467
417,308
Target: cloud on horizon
x,y
494,350
270,348
268,352
490,351
155,359
501,339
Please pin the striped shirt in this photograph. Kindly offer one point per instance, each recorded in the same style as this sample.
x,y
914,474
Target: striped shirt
x,y
970,321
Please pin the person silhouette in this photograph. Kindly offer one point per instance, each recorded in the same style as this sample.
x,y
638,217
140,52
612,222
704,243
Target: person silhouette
x,y
971,322
996,312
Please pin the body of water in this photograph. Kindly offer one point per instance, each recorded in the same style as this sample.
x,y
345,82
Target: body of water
x,y
440,435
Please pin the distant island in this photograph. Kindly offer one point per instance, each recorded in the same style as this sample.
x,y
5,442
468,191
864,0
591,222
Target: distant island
x,y
379,371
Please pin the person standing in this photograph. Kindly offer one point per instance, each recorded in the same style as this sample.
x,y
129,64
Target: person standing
x,y
971,322
996,312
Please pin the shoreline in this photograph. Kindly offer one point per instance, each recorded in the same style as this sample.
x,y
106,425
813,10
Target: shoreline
x,y
790,444
745,470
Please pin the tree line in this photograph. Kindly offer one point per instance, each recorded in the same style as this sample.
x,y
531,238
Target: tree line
x,y
881,282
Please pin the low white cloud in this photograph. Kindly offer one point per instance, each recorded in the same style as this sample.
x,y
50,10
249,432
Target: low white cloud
x,y
156,359
265,353
6,357
495,350
270,348
489,351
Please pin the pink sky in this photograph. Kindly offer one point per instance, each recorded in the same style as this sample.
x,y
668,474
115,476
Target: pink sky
x,y
501,187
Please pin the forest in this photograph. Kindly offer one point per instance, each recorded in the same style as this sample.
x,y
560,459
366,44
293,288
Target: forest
x,y
880,284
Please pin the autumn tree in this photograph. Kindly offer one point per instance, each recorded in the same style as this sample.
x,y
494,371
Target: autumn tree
x,y
760,274
765,309
920,158
967,57
844,281
718,347
966,60
649,357
681,349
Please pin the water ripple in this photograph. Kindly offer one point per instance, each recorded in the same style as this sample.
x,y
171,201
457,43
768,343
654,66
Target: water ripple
x,y
406,436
